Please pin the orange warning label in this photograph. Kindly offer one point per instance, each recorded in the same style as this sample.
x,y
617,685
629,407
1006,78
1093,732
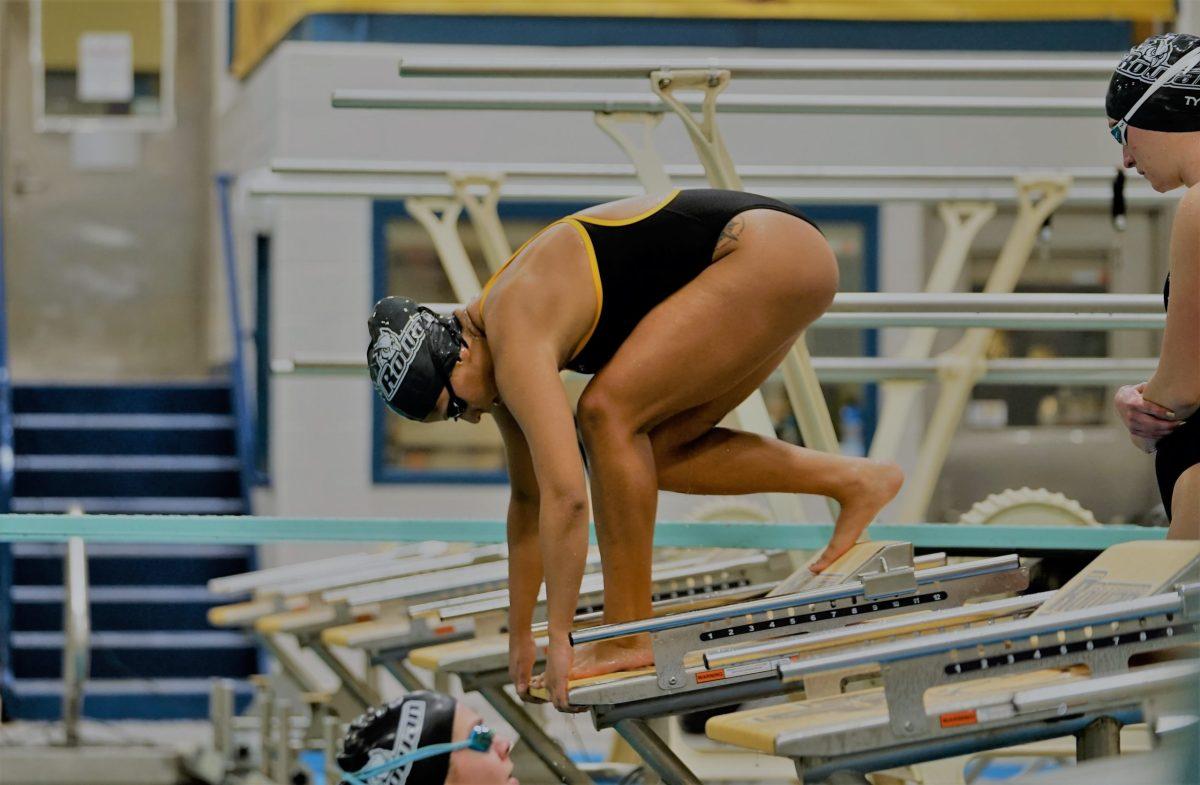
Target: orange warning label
x,y
954,719
446,630
704,677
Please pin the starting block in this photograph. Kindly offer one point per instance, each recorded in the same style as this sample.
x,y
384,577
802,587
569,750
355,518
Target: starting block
x,y
1057,672
873,580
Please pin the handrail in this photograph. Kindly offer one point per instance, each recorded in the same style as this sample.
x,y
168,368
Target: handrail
x,y
1082,371
877,630
241,398
77,631
6,464
873,68
814,191
977,567
588,171
502,100
943,643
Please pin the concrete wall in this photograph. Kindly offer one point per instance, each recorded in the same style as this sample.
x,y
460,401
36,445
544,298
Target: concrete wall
x,y
106,268
322,264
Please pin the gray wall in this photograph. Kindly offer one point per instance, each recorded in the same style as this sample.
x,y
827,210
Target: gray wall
x,y
106,270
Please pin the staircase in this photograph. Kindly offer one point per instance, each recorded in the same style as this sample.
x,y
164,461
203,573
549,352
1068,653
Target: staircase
x,y
128,449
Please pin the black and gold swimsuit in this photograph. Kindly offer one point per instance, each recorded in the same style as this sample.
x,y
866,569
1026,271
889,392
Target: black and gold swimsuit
x,y
639,262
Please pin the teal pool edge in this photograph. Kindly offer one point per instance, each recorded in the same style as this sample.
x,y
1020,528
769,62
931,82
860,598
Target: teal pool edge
x,y
253,530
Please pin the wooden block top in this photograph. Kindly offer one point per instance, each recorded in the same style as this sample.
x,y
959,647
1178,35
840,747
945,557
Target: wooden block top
x,y
433,657
365,633
841,571
757,729
588,681
295,621
240,614
1128,571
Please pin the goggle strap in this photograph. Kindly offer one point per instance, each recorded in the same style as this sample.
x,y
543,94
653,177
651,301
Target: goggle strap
x,y
1181,65
475,741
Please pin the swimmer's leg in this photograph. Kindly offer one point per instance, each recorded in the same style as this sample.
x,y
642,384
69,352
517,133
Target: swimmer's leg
x,y
693,455
1185,506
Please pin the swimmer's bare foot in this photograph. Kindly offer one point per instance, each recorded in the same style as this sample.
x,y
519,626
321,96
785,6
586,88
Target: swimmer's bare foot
x,y
872,484
597,659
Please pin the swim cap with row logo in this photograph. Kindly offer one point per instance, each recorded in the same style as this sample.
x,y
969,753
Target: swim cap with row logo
x,y
1172,106
411,354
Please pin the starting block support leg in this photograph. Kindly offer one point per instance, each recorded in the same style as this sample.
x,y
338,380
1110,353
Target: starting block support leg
x,y
656,753
364,696
403,674
531,733
847,778
1101,739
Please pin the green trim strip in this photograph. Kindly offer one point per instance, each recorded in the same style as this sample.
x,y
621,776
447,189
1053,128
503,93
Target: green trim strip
x,y
251,530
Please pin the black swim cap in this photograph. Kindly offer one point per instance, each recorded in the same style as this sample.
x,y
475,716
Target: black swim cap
x,y
1175,106
411,354
383,734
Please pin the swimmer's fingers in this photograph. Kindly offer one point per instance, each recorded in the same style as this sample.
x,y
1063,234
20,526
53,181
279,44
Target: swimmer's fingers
x,y
536,683
1148,426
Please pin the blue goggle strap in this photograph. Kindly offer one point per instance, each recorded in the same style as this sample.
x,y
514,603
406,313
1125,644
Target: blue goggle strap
x,y
480,740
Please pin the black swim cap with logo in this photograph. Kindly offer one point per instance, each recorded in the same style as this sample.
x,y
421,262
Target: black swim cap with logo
x,y
383,734
411,354
1175,106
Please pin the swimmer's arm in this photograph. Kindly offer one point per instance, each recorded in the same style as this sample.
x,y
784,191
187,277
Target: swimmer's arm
x,y
524,554
526,368
1176,382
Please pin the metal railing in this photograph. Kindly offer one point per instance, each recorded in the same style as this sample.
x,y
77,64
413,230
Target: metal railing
x,y
241,396
77,631
6,467
873,68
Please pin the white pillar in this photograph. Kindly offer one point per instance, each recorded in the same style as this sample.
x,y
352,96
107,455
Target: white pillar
x,y
1188,20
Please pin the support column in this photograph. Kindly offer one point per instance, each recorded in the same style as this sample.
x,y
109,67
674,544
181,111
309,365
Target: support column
x,y
1101,739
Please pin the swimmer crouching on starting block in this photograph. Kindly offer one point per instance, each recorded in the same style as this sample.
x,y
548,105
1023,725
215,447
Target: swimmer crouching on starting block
x,y
1153,106
680,306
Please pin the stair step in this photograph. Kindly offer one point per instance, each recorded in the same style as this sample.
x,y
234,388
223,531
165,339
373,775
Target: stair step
x,y
125,463
207,639
116,617
128,441
144,422
117,608
150,699
114,550
156,654
160,397
134,570
129,483
119,594
148,505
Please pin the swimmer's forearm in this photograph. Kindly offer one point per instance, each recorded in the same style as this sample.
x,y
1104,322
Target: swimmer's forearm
x,y
563,533
1179,398
524,564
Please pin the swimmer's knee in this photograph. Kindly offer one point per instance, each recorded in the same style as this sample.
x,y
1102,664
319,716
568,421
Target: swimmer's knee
x,y
600,410
1187,487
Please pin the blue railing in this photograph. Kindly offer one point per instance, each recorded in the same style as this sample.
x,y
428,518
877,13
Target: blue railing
x,y
241,396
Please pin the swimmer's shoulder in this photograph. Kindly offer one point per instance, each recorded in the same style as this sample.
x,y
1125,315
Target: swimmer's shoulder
x,y
1187,216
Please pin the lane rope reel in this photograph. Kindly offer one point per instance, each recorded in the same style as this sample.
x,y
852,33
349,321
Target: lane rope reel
x,y
1029,507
